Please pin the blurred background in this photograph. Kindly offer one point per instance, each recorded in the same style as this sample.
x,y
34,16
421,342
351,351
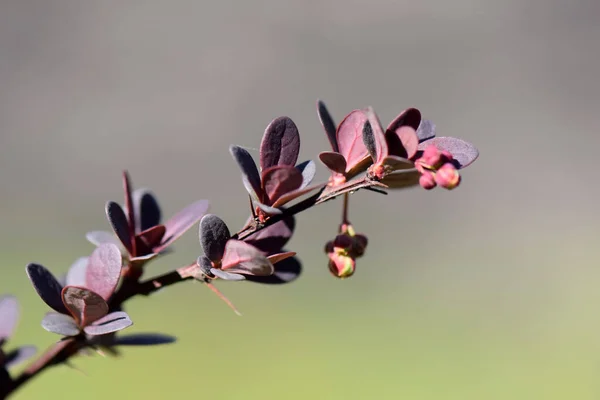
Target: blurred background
x,y
486,292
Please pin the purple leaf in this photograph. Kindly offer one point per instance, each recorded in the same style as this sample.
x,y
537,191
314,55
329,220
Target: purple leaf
x,y
104,270
46,286
464,153
426,130
272,238
402,179
147,210
61,324
402,142
129,209
118,220
9,316
268,209
286,271
248,167
379,144
297,193
150,238
398,162
279,180
143,339
100,237
84,305
214,234
350,140
226,276
19,355
280,144
76,276
334,161
205,265
245,259
110,323
328,124
182,221
308,170
409,117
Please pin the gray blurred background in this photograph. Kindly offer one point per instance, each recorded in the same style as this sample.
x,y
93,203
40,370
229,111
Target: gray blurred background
x,y
486,292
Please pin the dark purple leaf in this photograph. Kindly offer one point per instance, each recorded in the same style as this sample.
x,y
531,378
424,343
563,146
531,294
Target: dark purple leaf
x,y
286,271
182,221
147,210
110,323
402,179
280,144
46,286
272,238
377,135
245,259
9,316
19,355
84,305
369,140
308,170
334,161
143,339
61,324
279,180
248,167
100,237
409,117
118,220
129,209
104,270
328,124
205,265
226,276
351,142
213,236
76,276
297,193
426,130
464,153
403,142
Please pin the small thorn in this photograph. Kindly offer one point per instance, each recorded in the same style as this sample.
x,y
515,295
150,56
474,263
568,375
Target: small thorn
x,y
222,297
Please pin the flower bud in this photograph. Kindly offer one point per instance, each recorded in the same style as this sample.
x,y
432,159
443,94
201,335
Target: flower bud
x,y
427,180
341,265
447,176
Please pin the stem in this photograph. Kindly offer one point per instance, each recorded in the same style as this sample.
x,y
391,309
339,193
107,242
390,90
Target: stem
x,y
345,210
63,350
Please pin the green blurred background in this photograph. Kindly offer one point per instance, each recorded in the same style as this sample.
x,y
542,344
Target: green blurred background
x,y
486,292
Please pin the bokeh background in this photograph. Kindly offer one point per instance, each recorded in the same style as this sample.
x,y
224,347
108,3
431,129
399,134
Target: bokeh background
x,y
486,292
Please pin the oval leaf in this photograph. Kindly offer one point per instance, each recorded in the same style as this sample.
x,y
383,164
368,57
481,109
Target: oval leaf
x,y
110,323
60,324
84,305
328,124
402,142
280,144
378,146
76,276
147,210
46,286
402,179
280,180
100,237
464,153
248,167
272,238
349,137
118,220
297,193
286,271
151,237
409,117
426,130
9,316
334,161
308,170
226,276
104,270
214,234
182,221
246,259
